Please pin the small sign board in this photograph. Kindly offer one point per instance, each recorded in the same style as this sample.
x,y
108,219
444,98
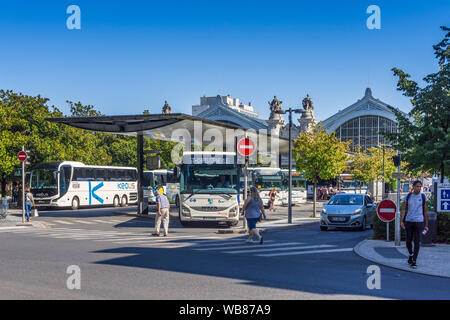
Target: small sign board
x,y
398,175
443,197
246,147
386,210
22,156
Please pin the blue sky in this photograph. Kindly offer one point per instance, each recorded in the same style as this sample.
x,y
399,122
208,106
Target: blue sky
x,y
133,55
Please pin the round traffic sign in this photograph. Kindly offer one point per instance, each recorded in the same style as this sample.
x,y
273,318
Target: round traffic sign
x,y
386,210
22,156
246,147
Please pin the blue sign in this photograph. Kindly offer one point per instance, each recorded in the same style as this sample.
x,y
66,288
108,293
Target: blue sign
x,y
443,199
92,192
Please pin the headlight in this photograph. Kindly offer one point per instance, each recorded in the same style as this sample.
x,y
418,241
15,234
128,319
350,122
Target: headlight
x,y
233,212
324,211
186,212
357,212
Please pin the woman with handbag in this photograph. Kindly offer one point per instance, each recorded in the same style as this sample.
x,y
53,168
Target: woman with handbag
x,y
253,210
29,201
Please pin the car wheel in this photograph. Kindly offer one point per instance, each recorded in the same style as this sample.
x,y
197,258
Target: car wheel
x,y
75,203
323,228
363,225
124,201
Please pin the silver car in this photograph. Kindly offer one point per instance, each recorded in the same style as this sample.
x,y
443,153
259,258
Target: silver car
x,y
354,211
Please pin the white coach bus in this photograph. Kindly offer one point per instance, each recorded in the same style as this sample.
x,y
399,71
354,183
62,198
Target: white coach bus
x,y
74,184
209,187
298,187
265,179
165,181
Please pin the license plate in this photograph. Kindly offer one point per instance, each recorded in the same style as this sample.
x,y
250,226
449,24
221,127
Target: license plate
x,y
209,218
339,219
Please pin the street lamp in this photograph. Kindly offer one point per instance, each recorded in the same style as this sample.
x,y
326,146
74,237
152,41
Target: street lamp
x,y
290,110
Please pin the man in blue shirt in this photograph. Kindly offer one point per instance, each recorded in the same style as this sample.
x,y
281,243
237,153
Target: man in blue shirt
x,y
415,208
163,214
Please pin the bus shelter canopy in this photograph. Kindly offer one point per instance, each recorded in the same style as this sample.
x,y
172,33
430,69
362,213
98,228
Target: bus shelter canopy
x,y
159,126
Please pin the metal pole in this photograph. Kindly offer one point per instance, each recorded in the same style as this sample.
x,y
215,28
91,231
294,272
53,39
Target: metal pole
x,y
387,231
23,188
244,196
383,189
397,216
289,169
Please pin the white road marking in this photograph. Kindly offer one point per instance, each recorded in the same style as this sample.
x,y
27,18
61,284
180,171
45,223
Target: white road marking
x,y
63,222
261,248
232,247
305,252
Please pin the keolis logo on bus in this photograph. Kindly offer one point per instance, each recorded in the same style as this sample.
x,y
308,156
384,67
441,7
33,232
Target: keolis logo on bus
x,y
126,186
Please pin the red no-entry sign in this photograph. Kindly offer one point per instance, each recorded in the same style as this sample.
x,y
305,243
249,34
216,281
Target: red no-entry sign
x,y
386,210
246,147
22,156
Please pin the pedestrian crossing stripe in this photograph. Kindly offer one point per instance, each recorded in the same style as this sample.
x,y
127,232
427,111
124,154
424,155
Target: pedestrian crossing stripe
x,y
263,249
197,242
304,252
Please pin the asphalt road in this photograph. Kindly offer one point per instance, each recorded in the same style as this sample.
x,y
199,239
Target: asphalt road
x,y
119,260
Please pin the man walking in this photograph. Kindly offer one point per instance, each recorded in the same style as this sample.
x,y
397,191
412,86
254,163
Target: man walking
x,y
415,208
163,205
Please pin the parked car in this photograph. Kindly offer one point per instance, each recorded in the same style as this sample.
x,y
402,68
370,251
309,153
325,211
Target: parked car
x,y
355,211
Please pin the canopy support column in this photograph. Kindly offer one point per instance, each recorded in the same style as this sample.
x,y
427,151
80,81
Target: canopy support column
x,y
142,202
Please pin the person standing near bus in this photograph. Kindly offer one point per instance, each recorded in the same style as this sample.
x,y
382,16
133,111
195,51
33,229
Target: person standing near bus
x,y
29,202
272,196
253,209
163,214
414,219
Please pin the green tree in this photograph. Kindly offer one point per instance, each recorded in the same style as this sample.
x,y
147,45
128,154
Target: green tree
x,y
320,155
423,138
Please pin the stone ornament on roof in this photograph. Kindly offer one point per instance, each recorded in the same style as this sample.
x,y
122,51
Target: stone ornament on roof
x,y
307,103
166,108
275,105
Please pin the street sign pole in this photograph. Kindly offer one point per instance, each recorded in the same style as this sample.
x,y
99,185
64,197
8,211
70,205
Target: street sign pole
x,y
289,169
23,188
397,216
245,189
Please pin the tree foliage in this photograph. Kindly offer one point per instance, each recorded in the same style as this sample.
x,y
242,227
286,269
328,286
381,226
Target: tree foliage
x,y
424,137
22,123
319,155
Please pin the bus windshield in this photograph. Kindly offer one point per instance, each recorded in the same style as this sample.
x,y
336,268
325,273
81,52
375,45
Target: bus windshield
x,y
209,179
298,183
266,182
44,179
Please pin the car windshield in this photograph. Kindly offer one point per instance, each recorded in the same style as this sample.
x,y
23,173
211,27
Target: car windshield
x,y
346,200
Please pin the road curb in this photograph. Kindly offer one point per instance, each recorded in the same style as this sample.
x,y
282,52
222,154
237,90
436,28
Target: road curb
x,y
357,250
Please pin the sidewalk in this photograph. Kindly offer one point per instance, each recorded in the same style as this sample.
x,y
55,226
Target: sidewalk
x,y
433,260
14,221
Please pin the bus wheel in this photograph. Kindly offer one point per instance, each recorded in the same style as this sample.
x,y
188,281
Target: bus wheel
x,y
177,201
124,202
116,202
75,203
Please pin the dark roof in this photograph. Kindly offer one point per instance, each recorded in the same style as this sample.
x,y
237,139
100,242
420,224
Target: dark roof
x,y
155,126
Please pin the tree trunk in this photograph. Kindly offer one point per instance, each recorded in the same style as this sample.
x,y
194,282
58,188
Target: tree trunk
x,y
3,188
314,199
